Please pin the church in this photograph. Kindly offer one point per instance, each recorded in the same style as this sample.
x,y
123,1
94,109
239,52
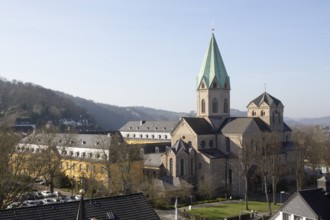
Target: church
x,y
205,150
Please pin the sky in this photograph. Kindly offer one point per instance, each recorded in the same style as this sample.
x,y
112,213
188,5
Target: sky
x,y
149,52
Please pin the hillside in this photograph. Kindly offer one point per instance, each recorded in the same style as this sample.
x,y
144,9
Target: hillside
x,y
41,105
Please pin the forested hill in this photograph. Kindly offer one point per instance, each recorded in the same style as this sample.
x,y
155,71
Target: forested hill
x,y
41,105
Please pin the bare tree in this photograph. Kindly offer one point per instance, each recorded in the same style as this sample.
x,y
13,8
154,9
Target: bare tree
x,y
122,164
302,142
245,159
50,147
17,172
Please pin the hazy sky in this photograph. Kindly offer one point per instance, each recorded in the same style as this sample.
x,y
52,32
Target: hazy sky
x,y
148,53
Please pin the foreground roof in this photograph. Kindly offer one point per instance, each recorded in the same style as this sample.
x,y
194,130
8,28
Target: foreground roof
x,y
134,206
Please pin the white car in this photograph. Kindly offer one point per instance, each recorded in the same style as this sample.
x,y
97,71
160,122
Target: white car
x,y
48,201
30,203
77,197
46,193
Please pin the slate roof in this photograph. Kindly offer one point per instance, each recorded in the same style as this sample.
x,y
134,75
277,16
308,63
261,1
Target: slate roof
x,y
213,67
317,201
149,126
286,127
134,206
181,145
265,97
78,140
212,153
199,125
170,183
152,160
240,125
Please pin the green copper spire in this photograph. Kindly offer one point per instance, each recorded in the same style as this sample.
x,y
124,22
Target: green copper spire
x,y
213,67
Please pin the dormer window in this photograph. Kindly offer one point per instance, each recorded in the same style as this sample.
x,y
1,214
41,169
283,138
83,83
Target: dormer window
x,y
83,142
97,143
59,141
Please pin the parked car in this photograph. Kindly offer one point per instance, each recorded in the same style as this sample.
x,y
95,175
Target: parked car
x,y
43,182
13,205
58,194
30,203
68,199
46,193
77,197
48,201
38,195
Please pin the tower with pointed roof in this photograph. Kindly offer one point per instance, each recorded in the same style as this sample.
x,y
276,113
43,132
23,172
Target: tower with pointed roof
x,y
213,85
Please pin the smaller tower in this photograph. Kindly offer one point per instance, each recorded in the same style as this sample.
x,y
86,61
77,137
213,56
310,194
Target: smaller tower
x,y
269,109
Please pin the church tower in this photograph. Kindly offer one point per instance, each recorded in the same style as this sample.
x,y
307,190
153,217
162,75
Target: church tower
x,y
213,85
269,109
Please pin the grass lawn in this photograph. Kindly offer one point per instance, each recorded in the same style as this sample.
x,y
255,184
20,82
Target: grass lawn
x,y
230,209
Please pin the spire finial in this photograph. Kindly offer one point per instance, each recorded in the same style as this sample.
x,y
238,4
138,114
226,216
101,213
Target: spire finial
x,y
265,85
212,26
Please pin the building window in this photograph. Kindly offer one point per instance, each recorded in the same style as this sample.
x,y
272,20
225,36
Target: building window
x,y
203,85
203,144
215,105
203,106
262,113
141,135
191,167
171,167
165,137
147,136
67,165
73,166
227,144
211,143
182,167
80,167
253,113
214,85
87,168
225,106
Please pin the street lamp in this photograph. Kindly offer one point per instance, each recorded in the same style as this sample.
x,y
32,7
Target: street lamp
x,y
282,192
190,202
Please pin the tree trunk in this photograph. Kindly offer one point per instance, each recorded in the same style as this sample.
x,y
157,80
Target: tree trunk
x,y
267,197
274,184
51,183
246,192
